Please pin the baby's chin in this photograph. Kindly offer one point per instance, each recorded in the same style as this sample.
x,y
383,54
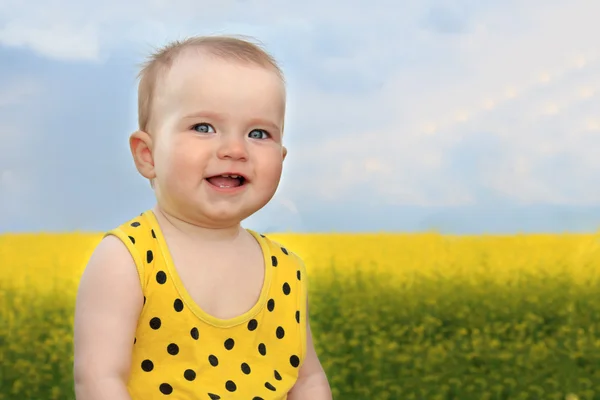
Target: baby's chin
x,y
219,215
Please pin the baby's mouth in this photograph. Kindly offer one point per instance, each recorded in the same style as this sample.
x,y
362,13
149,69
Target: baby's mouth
x,y
226,181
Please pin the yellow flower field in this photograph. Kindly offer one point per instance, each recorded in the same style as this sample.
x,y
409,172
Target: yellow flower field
x,y
394,316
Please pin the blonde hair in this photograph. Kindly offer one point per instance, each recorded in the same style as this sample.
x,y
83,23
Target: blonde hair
x,y
238,48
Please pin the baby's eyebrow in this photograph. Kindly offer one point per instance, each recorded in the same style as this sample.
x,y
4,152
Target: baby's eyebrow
x,y
205,114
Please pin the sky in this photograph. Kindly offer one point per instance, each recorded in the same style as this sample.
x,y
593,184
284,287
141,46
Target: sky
x,y
462,117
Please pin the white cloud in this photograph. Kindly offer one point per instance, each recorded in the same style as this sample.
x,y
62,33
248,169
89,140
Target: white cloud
x,y
392,103
514,76
56,40
87,30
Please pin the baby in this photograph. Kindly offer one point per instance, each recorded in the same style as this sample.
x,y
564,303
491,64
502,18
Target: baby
x,y
182,302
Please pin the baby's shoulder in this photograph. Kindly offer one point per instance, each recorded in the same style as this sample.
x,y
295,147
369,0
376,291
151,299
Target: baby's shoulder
x,y
137,240
137,234
141,226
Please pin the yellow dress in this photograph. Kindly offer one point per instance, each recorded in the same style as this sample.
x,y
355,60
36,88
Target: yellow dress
x,y
183,353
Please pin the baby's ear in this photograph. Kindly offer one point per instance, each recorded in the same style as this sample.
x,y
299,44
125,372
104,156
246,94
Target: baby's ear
x,y
140,144
284,149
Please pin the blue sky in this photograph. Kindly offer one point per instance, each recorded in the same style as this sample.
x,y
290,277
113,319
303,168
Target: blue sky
x,y
459,116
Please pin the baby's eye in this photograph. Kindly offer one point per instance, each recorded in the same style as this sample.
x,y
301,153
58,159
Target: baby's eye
x,y
203,128
258,134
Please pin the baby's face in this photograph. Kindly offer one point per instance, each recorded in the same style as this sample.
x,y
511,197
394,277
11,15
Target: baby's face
x,y
217,140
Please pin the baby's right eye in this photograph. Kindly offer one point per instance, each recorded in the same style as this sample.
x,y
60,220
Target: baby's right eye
x,y
203,128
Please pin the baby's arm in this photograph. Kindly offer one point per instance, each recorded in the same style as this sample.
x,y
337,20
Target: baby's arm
x,y
108,305
312,381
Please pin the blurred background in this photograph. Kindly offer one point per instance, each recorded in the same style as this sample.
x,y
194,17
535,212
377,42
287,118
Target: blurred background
x,y
462,116
448,149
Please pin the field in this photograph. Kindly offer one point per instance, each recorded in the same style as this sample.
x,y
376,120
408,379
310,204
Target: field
x,y
394,316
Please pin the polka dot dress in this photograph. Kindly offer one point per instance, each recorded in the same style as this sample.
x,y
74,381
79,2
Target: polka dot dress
x,y
181,352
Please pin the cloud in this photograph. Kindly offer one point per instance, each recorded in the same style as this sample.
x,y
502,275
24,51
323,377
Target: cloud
x,y
431,103
89,30
502,110
55,41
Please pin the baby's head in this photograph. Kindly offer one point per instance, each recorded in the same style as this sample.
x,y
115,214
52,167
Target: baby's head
x,y
208,107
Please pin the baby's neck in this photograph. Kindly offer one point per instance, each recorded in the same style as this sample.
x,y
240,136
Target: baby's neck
x,y
194,232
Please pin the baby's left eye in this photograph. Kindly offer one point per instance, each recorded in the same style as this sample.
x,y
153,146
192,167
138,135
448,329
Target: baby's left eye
x,y
258,134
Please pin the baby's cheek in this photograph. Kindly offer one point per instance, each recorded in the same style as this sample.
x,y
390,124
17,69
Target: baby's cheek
x,y
186,159
270,169
174,171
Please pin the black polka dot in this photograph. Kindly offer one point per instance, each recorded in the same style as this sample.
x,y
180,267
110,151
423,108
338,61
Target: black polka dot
x,y
252,324
298,275
155,323
277,376
149,256
178,305
194,333
261,235
286,288
230,385
274,261
132,239
153,234
270,304
134,340
189,374
257,398
161,277
269,386
280,332
229,343
165,388
144,300
298,316
213,360
295,361
262,349
214,396
245,368
135,224
284,251
147,365
173,349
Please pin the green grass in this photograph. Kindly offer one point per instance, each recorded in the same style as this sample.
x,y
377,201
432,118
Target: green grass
x,y
453,340
433,339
